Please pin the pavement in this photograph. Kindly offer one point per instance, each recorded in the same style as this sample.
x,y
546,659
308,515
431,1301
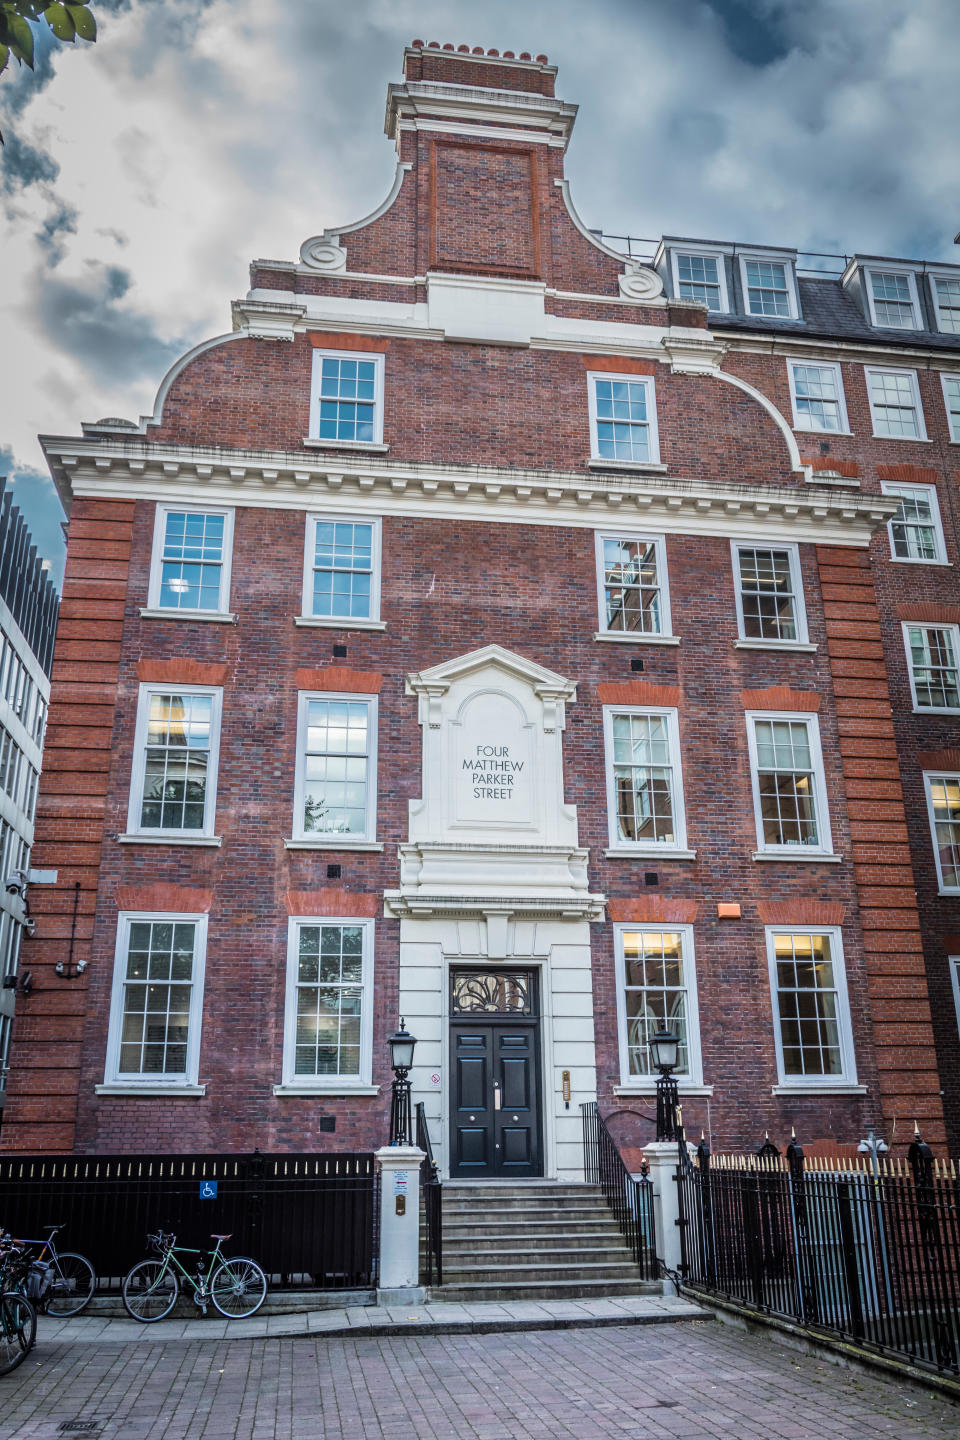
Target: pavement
x,y
435,1317
701,1380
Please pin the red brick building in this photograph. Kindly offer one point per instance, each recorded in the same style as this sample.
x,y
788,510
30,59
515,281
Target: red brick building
x,y
531,641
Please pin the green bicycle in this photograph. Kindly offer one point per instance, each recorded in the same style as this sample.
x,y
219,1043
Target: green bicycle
x,y
236,1287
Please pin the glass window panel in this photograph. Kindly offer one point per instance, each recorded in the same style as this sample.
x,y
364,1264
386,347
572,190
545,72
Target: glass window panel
x,y
623,429
191,562
767,598
892,302
945,805
632,586
894,405
644,779
347,399
808,1006
951,390
329,1001
335,767
817,397
933,662
786,783
948,304
155,1020
767,289
914,532
179,730
655,993
698,278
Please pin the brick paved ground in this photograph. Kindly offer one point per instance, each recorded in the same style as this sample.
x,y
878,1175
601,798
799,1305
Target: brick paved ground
x,y
697,1381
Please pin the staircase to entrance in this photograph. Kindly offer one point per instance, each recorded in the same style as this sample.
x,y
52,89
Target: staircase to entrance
x,y
535,1241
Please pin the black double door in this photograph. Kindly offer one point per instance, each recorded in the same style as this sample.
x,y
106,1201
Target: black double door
x,y
495,1111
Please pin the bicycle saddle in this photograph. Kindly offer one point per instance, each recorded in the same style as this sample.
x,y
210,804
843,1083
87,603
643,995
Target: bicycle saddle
x,y
220,1237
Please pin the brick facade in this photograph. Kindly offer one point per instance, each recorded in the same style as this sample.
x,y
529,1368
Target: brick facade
x,y
462,570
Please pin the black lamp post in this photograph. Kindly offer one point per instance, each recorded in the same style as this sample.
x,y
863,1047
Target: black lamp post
x,y
401,1060
664,1046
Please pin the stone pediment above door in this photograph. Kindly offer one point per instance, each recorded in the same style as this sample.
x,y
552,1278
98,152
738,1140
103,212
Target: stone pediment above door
x,y
492,825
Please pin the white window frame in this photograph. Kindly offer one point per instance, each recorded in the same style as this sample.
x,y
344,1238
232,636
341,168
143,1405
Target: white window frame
x,y
796,579
869,271
653,432
800,422
342,622
647,1084
291,1082
824,827
848,1079
702,252
155,587
377,358
619,846
935,278
138,769
633,636
928,777
787,261
898,490
907,626
870,370
113,1079
953,415
316,840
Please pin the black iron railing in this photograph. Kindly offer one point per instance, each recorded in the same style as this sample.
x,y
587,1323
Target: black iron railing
x,y
307,1219
630,1200
431,1190
870,1254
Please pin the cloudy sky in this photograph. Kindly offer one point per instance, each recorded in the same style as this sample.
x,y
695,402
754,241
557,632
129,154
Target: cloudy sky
x,y
142,174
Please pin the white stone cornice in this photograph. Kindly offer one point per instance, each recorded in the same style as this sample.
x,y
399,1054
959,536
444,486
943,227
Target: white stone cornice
x,y
265,321
693,353
466,107
133,467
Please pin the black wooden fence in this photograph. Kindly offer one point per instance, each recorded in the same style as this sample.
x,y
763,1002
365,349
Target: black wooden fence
x,y
307,1219
867,1252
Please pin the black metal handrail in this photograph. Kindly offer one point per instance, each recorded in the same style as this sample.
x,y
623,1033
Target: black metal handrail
x,y
630,1200
432,1190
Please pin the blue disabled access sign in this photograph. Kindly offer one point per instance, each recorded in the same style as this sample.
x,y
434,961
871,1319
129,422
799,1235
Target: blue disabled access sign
x,y
208,1189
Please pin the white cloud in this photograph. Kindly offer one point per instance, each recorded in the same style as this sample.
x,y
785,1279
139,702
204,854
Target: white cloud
x,y
196,136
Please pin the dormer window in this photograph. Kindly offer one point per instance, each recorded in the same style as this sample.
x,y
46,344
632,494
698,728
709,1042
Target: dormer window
x,y
699,276
894,304
946,299
768,286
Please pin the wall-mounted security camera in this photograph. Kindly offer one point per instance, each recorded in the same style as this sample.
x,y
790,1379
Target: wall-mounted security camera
x,y
16,883
30,926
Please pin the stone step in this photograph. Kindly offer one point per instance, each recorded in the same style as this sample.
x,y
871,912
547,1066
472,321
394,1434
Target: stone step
x,y
566,1272
508,1263
455,1242
519,1210
545,1290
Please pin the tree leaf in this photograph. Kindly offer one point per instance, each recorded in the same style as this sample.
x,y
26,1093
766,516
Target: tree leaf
x,y
86,25
4,57
21,38
58,18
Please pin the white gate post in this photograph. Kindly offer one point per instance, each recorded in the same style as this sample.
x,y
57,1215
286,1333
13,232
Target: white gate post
x,y
399,1225
663,1158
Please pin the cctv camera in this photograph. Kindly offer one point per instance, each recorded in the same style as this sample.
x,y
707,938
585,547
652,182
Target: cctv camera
x,y
16,883
30,926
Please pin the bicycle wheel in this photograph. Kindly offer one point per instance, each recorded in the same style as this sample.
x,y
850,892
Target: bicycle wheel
x,y
150,1291
238,1288
73,1287
18,1330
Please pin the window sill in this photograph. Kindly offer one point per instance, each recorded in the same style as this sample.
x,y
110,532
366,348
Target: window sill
x,y
841,1087
905,439
648,1089
623,637
935,709
218,617
647,852
324,622
803,647
144,1088
910,560
377,447
212,841
333,844
596,463
816,858
331,1091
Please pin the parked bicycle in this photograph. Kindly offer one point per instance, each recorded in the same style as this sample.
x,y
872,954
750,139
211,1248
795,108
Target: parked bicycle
x,y
237,1287
18,1316
59,1282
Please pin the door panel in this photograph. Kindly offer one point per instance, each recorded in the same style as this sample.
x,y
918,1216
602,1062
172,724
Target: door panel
x,y
496,1124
